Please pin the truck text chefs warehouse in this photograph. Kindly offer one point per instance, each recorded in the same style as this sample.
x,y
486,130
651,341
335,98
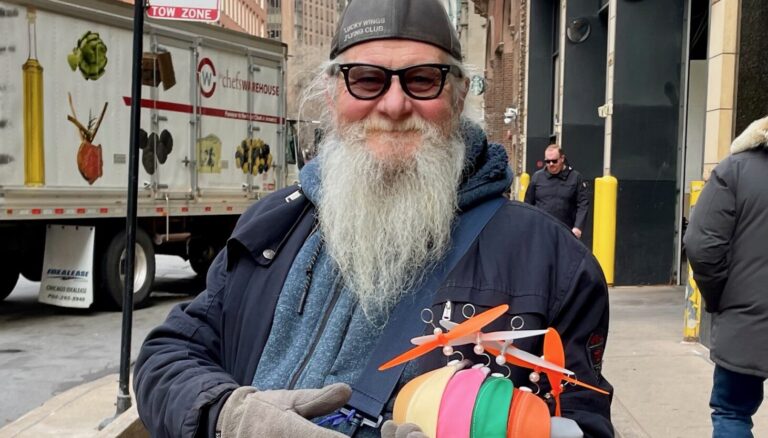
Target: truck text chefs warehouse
x,y
245,85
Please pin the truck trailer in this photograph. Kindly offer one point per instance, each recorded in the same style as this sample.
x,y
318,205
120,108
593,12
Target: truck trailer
x,y
214,139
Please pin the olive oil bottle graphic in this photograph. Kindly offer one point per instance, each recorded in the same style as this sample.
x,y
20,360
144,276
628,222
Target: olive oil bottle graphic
x,y
34,158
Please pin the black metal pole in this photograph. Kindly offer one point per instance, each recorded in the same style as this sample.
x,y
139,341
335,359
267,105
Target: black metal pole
x,y
123,396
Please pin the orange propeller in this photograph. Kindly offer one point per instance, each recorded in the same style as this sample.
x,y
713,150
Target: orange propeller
x,y
553,352
584,385
531,366
472,325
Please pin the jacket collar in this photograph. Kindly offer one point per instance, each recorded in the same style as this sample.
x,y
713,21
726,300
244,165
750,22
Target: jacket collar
x,y
264,232
754,136
563,174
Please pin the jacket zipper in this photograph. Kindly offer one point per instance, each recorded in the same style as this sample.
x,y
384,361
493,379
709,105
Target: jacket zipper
x,y
447,311
313,346
308,275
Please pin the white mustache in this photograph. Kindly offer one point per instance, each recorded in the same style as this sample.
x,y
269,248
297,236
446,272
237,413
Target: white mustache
x,y
376,124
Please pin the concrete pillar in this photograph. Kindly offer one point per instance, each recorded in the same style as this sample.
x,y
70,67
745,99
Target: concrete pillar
x,y
721,82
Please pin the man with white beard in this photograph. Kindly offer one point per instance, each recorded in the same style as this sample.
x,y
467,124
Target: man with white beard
x,y
301,299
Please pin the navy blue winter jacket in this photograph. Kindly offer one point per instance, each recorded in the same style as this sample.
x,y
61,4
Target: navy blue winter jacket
x,y
207,348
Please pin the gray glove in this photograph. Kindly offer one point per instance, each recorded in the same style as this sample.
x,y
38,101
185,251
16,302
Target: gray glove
x,y
565,428
281,413
390,429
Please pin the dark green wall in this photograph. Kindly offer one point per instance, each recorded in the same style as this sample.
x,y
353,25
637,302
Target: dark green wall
x,y
539,82
583,131
646,110
645,137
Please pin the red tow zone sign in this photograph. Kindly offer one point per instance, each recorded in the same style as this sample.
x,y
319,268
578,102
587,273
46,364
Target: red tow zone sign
x,y
187,10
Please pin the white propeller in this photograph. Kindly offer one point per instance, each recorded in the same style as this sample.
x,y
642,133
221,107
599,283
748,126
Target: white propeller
x,y
509,335
531,358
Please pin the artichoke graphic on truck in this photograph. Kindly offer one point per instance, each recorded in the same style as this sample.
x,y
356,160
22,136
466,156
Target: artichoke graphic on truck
x,y
89,55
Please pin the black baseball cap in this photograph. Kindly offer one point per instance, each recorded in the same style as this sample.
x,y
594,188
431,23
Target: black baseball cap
x,y
418,20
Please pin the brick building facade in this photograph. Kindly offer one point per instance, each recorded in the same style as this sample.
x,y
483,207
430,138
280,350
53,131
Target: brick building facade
x,y
249,16
505,61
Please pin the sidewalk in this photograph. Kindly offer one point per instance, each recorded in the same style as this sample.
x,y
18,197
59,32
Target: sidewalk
x,y
661,385
77,413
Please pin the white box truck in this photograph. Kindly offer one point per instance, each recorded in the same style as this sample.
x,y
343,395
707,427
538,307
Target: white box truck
x,y
214,140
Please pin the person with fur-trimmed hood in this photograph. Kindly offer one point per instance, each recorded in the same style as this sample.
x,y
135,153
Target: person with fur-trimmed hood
x,y
726,246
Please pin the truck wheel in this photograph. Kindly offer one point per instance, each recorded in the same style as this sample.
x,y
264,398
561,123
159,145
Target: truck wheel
x,y
113,268
32,268
9,275
31,260
201,253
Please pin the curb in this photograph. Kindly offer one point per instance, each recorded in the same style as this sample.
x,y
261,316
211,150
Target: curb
x,y
127,425
77,413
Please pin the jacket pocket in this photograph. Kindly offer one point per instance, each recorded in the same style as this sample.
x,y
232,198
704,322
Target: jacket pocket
x,y
567,190
527,309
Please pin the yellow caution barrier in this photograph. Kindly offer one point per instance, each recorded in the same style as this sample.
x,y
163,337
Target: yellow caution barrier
x,y
604,229
525,180
692,312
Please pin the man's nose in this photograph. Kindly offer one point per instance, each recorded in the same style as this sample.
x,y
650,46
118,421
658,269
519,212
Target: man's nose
x,y
395,104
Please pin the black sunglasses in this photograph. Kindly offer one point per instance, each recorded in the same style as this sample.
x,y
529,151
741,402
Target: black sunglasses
x,y
421,82
552,161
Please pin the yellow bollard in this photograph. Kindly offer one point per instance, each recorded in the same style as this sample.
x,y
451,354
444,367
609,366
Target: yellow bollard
x,y
604,228
525,179
692,312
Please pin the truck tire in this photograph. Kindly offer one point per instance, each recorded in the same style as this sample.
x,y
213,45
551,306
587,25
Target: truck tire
x,y
112,268
33,254
32,268
201,253
32,272
9,275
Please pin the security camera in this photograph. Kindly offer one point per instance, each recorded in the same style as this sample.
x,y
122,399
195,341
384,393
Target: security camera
x,y
510,115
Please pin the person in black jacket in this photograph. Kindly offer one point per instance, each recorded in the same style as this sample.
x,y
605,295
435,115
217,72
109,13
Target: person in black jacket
x,y
296,303
560,190
726,246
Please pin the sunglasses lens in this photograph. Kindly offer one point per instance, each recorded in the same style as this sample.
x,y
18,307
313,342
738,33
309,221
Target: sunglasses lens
x,y
366,81
424,81
550,161
370,81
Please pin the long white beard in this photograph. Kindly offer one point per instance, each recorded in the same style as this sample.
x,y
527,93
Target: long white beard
x,y
386,223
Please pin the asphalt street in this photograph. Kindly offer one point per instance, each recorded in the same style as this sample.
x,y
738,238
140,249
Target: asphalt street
x,y
45,350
